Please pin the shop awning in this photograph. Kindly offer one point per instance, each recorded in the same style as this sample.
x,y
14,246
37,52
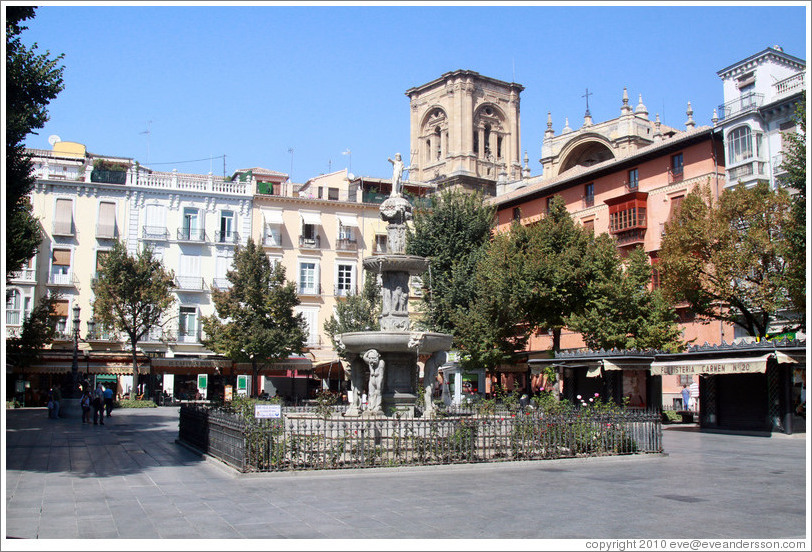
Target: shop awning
x,y
348,221
711,366
311,218
272,216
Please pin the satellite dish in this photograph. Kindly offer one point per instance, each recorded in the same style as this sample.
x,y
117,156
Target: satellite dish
x,y
350,177
53,139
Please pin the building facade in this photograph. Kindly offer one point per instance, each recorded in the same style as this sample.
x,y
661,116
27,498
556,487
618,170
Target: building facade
x,y
760,93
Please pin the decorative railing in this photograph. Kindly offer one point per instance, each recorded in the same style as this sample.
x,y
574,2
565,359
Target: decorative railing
x,y
347,244
304,442
790,85
310,243
27,274
744,103
230,237
197,235
190,283
60,279
192,183
155,233
310,290
221,283
188,336
272,240
344,290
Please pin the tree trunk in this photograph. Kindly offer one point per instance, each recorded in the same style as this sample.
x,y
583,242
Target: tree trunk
x,y
254,378
556,340
134,390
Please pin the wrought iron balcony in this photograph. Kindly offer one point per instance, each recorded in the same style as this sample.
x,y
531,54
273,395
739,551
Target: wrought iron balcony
x,y
345,290
347,244
310,243
159,233
747,102
60,279
190,283
188,336
221,283
230,237
309,290
192,235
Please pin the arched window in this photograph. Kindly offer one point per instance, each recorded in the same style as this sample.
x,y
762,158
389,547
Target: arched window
x,y
438,146
740,144
487,140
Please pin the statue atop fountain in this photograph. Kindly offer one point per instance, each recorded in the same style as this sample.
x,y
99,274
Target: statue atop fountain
x,y
389,356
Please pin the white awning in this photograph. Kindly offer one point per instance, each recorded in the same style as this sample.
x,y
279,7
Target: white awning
x,y
311,218
711,366
272,216
348,221
607,365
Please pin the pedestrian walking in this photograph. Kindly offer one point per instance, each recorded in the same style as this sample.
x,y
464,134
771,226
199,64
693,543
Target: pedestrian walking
x,y
98,405
56,397
108,400
686,397
85,401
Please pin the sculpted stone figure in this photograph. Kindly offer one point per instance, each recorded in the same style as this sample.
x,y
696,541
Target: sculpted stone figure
x,y
430,378
397,175
376,367
355,371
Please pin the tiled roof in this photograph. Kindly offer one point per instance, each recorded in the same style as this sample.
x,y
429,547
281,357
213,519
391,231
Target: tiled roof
x,y
261,171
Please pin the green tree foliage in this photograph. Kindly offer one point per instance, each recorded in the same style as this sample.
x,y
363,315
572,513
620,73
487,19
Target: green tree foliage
x,y
36,331
255,321
31,81
622,311
795,243
724,258
450,232
355,313
490,329
133,294
556,268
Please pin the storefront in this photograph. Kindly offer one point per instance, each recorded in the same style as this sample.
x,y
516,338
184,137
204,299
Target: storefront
x,y
757,387
619,376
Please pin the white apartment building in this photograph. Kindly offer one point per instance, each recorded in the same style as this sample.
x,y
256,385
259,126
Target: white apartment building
x,y
760,95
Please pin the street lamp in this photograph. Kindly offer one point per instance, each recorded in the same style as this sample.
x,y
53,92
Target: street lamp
x,y
74,369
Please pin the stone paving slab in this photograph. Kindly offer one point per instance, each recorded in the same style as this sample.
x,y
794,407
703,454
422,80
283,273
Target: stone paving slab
x,y
129,479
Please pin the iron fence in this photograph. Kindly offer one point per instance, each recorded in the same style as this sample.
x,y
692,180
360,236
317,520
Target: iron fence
x,y
306,441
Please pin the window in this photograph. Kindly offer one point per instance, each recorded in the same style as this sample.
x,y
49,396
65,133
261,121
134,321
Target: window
x,y
589,225
589,195
499,147
59,316
187,325
308,278
380,243
190,225
101,256
332,194
106,227
517,213
634,179
189,272
155,225
676,203
14,307
627,215
438,143
61,266
677,164
740,145
63,217
310,234
223,264
655,270
226,233
344,279
548,202
311,318
273,227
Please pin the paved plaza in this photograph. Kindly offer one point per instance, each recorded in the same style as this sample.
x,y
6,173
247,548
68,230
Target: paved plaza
x,y
129,479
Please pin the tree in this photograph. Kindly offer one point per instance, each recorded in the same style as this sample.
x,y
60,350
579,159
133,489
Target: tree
x,y
724,258
355,313
795,242
622,311
555,258
32,81
490,329
450,233
133,294
36,331
255,321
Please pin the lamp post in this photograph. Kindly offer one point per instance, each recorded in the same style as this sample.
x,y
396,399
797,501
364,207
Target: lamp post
x,y
74,369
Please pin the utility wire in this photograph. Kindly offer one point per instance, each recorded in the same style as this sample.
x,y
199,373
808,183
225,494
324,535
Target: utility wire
x,y
190,161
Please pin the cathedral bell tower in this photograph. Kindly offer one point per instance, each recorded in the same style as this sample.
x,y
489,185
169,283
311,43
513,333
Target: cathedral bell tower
x,y
465,131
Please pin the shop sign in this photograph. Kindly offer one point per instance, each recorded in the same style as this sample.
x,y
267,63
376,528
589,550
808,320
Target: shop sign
x,y
228,393
711,367
242,385
202,381
267,411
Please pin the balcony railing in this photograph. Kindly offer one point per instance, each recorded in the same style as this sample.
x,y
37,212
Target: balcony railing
x,y
345,290
632,186
105,334
155,335
188,336
106,231
748,102
230,237
63,228
221,283
309,290
310,243
190,283
192,182
195,235
675,175
347,244
60,279
272,240
790,85
741,171
108,177
637,235
26,274
159,233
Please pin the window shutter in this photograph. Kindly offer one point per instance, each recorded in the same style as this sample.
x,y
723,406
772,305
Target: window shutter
x,y
61,257
107,219
60,308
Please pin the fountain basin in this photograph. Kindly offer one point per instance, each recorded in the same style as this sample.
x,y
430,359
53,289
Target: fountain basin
x,y
412,264
396,342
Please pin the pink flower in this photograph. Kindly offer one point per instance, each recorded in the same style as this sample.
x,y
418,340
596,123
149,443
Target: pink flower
x,y
597,394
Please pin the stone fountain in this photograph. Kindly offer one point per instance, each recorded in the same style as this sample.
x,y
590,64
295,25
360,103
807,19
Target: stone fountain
x,y
384,363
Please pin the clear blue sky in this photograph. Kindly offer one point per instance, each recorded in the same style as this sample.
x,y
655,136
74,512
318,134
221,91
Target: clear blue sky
x,y
253,81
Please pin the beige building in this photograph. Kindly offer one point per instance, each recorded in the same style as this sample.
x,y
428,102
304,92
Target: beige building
x,y
465,131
